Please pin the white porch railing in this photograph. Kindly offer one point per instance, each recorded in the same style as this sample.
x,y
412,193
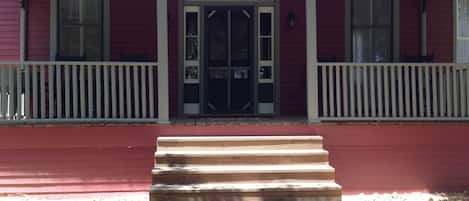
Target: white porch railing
x,y
393,91
78,92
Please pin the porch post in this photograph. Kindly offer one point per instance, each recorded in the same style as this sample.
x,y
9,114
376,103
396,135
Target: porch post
x,y
163,84
23,30
311,62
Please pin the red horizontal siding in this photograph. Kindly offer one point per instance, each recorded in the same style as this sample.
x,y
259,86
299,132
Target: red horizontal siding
x,y
9,30
367,158
292,59
38,30
440,30
331,28
410,28
133,28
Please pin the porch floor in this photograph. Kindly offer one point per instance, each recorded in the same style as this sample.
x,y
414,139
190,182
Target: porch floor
x,y
230,121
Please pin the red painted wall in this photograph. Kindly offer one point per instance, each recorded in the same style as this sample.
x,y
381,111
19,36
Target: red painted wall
x,y
9,30
38,30
331,28
367,158
440,29
410,28
292,59
133,28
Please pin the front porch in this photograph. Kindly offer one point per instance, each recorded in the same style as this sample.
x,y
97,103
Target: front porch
x,y
173,89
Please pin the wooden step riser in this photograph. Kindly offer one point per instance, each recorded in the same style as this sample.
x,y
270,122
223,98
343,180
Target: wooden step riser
x,y
332,195
214,160
188,179
166,146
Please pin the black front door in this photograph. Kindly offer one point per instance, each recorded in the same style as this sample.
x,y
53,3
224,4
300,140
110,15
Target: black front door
x,y
229,36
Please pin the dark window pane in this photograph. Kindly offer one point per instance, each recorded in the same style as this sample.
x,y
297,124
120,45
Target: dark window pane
x,y
191,24
92,42
91,11
361,12
192,51
265,72
70,11
381,45
217,37
69,41
266,49
266,24
361,45
240,38
382,10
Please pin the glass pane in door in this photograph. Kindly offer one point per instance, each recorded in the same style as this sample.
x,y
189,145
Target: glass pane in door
x,y
241,59
217,37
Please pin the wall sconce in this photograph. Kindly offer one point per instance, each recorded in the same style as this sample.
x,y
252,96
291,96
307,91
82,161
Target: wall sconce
x,y
23,3
423,6
291,20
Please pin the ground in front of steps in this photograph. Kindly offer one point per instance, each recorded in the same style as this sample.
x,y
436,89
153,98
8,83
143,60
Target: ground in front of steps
x,y
143,196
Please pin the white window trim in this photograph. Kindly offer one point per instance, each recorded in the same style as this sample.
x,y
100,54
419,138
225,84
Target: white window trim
x,y
396,24
271,10
54,13
192,63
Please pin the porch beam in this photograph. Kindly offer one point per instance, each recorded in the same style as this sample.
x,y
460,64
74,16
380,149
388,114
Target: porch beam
x,y
311,62
163,83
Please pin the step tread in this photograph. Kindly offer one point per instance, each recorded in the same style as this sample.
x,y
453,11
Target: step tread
x,y
250,187
243,169
222,153
238,138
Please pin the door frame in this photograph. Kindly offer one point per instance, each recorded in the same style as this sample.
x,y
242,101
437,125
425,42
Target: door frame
x,y
202,4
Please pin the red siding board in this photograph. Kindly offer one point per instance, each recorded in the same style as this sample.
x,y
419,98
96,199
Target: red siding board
x,y
331,28
9,30
440,30
133,28
410,28
292,59
38,30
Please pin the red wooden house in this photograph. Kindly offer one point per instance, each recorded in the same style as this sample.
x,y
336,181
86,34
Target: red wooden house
x,y
86,86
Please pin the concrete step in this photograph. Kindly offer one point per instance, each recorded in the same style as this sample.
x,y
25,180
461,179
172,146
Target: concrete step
x,y
244,174
166,144
240,157
277,168
247,192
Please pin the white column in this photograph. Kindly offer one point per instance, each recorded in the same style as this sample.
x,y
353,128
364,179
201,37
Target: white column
x,y
423,27
23,31
163,84
311,62
53,30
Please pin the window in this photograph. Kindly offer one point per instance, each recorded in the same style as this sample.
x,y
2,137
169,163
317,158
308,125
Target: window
x,y
266,44
372,30
80,29
462,39
192,47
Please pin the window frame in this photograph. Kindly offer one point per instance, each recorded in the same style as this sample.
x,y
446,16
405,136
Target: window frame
x,y
54,38
395,32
